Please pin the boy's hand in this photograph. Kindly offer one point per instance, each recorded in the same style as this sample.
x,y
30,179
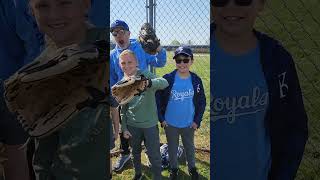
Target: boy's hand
x,y
194,126
127,134
164,124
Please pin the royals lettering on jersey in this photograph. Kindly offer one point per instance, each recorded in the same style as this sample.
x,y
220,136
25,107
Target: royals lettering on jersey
x,y
180,109
229,108
175,95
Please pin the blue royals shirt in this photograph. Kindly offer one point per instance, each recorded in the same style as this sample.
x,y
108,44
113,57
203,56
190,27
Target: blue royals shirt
x,y
180,108
240,144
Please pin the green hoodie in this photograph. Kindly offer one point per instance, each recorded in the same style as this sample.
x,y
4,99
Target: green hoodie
x,y
141,111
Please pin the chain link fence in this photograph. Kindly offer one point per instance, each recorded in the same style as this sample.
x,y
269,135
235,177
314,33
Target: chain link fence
x,y
176,23
296,24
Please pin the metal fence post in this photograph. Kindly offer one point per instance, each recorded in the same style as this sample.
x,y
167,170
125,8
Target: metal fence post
x,y
151,10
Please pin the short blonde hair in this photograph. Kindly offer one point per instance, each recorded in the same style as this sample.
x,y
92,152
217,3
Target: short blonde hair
x,y
127,52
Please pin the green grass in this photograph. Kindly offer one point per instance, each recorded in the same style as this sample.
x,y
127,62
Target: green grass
x,y
201,66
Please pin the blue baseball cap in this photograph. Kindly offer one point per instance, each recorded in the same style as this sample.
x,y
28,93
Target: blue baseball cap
x,y
184,51
119,24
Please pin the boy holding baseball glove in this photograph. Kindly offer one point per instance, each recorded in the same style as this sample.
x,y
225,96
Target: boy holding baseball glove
x,y
139,115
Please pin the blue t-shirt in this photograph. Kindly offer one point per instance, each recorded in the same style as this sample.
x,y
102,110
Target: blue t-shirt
x,y
239,98
180,108
99,13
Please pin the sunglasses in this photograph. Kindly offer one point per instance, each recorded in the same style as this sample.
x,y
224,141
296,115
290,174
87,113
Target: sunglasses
x,y
116,33
186,60
222,3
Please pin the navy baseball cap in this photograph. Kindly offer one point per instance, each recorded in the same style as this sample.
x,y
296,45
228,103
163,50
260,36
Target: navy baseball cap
x,y
183,50
119,24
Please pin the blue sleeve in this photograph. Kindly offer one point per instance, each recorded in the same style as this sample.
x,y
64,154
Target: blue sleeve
x,y
113,74
27,30
158,60
113,80
99,13
200,103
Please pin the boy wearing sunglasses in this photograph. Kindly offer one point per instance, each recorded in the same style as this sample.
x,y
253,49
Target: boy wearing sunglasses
x,y
258,121
180,109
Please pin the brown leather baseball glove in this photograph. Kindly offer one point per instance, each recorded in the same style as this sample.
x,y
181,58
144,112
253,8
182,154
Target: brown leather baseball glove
x,y
124,90
48,92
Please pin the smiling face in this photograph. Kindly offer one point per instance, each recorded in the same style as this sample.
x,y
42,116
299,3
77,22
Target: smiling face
x,y
128,63
64,21
236,20
183,64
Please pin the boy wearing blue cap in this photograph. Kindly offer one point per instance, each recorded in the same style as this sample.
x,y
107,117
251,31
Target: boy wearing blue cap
x,y
258,126
180,109
121,34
